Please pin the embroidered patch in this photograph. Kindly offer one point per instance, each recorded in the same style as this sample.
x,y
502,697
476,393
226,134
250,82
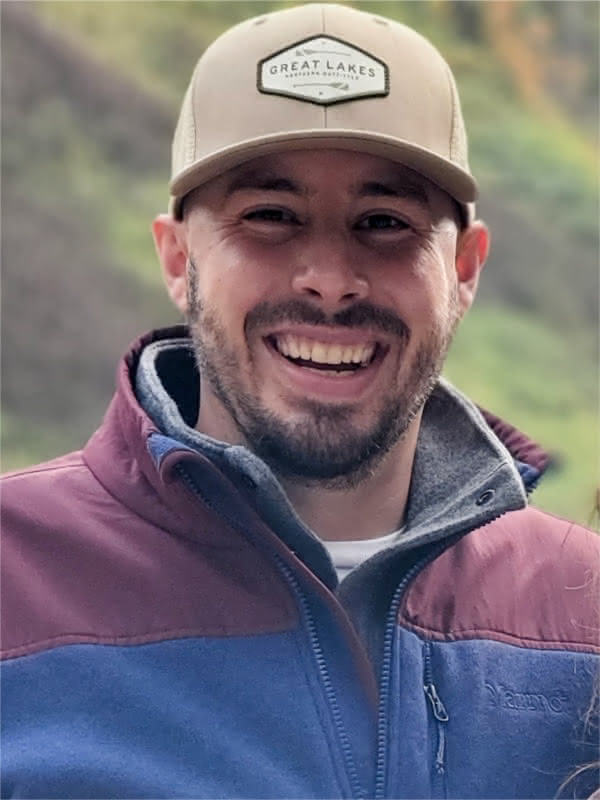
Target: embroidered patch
x,y
323,70
501,696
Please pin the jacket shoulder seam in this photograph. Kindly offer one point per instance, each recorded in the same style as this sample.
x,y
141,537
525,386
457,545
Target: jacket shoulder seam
x,y
127,639
505,637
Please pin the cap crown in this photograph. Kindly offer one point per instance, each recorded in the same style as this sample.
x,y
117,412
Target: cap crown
x,y
321,75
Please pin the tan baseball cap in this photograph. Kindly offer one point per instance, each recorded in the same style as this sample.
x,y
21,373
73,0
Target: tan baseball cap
x,y
326,76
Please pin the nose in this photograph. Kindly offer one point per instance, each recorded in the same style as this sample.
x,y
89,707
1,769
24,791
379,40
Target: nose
x,y
328,272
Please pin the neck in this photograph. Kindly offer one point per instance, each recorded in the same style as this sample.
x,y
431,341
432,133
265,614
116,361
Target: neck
x,y
373,508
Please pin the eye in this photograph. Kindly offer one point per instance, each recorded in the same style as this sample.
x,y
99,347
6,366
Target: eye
x,y
272,215
381,222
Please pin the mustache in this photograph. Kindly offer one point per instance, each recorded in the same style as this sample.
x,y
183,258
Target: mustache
x,y
360,315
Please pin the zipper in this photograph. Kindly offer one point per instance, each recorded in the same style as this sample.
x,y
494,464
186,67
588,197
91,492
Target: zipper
x,y
441,718
317,650
439,711
313,635
388,641
386,669
385,679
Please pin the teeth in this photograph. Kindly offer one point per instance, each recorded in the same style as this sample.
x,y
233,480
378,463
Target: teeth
x,y
283,345
367,352
323,353
334,355
294,350
305,350
318,353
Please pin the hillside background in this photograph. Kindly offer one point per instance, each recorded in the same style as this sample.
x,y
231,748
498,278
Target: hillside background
x,y
90,94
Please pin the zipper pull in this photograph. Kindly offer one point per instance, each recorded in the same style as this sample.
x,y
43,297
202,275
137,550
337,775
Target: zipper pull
x,y
439,712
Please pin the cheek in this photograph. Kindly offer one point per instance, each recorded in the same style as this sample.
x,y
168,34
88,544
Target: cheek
x,y
230,284
422,287
437,274
242,271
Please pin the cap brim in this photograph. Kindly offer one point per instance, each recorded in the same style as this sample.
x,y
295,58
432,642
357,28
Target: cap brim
x,y
458,183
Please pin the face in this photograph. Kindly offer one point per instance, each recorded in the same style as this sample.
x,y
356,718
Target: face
x,y
322,289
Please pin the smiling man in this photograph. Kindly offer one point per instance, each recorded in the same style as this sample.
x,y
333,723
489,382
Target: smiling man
x,y
322,289
293,561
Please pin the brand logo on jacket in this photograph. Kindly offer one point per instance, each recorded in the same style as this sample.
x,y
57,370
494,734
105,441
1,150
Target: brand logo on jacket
x,y
501,696
323,70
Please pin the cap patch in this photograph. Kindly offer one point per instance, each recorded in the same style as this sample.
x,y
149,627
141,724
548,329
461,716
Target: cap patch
x,y
323,70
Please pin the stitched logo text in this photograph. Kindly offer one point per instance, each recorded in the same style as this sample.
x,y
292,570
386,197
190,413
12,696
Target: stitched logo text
x,y
502,696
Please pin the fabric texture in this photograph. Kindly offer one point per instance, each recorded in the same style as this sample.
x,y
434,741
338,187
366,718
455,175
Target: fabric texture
x,y
172,629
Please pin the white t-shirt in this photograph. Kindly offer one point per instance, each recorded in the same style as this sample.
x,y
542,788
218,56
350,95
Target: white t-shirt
x,y
347,555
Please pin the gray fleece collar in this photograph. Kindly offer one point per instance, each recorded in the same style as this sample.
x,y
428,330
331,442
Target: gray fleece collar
x,y
463,476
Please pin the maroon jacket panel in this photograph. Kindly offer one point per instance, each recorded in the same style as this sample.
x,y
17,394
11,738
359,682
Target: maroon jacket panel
x,y
517,443
94,570
511,574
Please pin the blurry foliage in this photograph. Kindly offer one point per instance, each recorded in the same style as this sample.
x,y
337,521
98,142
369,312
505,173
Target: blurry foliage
x,y
526,372
88,107
520,67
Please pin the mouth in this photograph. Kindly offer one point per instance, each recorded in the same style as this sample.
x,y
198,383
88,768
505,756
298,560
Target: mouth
x,y
331,358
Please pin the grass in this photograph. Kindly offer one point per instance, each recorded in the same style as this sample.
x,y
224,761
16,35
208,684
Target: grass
x,y
26,442
129,228
527,373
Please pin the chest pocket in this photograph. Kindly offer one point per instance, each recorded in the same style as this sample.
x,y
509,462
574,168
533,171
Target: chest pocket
x,y
483,719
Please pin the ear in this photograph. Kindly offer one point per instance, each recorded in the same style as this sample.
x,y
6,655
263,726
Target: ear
x,y
171,248
471,253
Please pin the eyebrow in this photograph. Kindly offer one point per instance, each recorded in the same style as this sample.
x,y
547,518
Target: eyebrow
x,y
399,189
271,182
263,182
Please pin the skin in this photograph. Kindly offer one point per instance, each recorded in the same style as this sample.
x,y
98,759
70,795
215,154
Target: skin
x,y
335,246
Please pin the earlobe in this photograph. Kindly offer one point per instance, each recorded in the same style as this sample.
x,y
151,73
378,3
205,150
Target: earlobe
x,y
172,253
471,254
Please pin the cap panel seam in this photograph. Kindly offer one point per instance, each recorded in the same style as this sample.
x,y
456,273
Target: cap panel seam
x,y
452,142
194,126
189,127
324,29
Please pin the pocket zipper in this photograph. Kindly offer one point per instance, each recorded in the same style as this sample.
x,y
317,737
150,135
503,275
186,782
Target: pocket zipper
x,y
441,715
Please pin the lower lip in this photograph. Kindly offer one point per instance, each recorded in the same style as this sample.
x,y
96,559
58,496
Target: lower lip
x,y
322,385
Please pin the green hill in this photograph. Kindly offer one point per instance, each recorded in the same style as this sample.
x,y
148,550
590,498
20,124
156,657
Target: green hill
x,y
90,95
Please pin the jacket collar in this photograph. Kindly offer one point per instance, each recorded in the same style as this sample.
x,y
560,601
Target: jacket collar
x,y
464,474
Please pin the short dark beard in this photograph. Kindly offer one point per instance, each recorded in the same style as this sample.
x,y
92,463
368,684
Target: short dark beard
x,y
324,449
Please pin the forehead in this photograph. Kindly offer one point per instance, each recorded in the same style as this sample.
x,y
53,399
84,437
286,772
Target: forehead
x,y
330,174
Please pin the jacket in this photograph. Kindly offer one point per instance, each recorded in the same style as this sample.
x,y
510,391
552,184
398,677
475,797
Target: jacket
x,y
171,629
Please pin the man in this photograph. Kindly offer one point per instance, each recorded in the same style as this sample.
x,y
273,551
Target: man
x,y
176,625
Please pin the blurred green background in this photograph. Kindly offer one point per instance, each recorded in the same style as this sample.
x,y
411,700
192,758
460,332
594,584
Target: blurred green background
x,y
90,94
